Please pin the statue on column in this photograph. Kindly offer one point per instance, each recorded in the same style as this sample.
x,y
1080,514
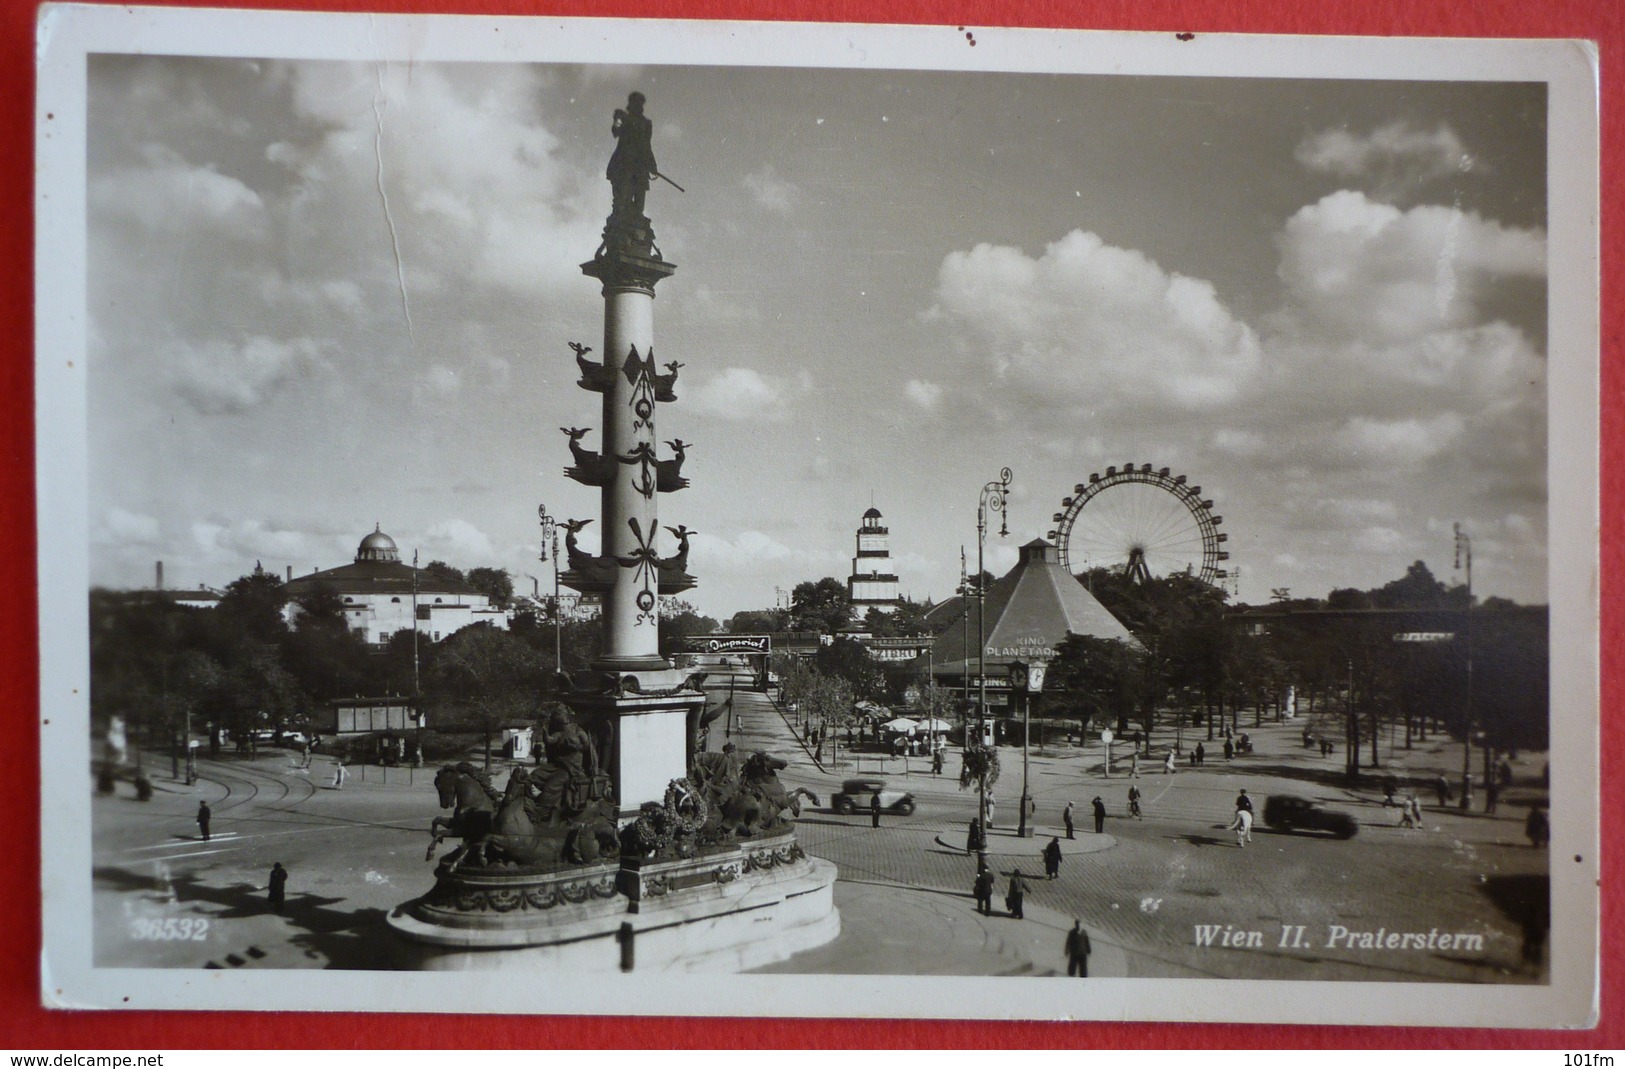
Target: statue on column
x,y
632,165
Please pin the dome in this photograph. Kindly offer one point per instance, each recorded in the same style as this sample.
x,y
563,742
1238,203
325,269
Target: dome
x,y
377,546
872,514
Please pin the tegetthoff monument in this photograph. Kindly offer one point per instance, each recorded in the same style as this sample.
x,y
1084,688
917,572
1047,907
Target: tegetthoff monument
x,y
631,847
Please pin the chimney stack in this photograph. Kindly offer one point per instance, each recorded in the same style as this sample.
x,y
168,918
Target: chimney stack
x,y
160,575
290,573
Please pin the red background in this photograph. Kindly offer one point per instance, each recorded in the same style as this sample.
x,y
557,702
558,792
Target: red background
x,y
24,1024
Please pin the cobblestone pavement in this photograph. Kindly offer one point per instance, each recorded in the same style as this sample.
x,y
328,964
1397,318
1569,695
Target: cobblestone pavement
x,y
1163,876
1142,888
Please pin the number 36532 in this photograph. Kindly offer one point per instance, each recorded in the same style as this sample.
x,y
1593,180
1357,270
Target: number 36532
x,y
170,928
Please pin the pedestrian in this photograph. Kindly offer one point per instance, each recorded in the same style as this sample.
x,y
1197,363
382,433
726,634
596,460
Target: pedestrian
x,y
983,889
1504,771
1014,894
1134,803
991,803
1077,950
304,755
1066,818
874,810
203,815
1242,825
1537,827
278,887
1031,808
1100,814
1229,748
974,840
936,762
1052,859
340,774
1244,802
1200,754
1492,793
1168,763
1410,812
1441,787
1134,765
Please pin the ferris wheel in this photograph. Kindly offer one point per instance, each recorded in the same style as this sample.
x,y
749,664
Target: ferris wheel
x,y
1142,521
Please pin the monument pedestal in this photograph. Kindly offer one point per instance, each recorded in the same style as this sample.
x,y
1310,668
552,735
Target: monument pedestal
x,y
651,714
726,910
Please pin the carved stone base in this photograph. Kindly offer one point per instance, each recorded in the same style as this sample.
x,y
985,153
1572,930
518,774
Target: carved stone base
x,y
480,908
735,909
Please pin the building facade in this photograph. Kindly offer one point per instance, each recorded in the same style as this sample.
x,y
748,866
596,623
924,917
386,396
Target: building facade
x,y
873,584
383,596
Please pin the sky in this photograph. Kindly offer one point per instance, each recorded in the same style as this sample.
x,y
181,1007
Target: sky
x,y
325,296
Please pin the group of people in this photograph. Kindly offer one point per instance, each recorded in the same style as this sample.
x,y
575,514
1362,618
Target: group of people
x,y
1077,948
1099,808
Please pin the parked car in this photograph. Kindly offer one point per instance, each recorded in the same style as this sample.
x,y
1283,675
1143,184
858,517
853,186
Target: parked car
x,y
1284,812
856,794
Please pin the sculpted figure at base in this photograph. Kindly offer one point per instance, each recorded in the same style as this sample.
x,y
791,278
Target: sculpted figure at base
x,y
746,799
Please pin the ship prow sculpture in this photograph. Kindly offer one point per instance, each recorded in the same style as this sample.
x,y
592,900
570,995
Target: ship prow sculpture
x,y
629,846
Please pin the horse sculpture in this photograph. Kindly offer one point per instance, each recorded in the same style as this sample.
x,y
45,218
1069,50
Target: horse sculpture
x,y
467,792
745,800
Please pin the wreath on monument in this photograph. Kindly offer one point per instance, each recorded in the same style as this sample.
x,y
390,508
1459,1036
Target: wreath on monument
x,y
977,762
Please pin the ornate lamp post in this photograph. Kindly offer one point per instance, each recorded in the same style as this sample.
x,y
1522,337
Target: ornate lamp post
x,y
1464,548
550,537
994,499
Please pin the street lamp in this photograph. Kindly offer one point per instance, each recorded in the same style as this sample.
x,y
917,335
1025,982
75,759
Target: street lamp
x,y
550,535
1464,550
995,496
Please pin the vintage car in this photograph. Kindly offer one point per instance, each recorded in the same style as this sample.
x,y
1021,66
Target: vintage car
x,y
1284,812
856,795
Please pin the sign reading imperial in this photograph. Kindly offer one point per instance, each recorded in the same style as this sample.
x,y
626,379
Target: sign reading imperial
x,y
730,644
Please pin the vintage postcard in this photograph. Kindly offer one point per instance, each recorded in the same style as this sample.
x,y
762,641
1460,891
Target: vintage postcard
x,y
927,522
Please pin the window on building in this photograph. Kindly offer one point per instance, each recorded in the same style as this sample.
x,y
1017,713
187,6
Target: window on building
x,y
423,612
395,601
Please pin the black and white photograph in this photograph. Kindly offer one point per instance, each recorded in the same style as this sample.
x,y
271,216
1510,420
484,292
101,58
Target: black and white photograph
x,y
571,516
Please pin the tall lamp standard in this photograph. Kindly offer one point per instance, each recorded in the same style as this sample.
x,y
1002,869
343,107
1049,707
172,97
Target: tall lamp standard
x,y
550,536
994,499
1464,549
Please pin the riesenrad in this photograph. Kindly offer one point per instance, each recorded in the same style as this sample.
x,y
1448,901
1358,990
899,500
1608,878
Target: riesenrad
x,y
1142,521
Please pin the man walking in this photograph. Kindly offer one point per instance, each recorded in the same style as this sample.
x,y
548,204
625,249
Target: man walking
x,y
278,886
1100,815
1201,754
1052,859
203,815
1014,894
874,810
1244,802
1077,950
936,762
1242,825
340,774
1066,818
983,889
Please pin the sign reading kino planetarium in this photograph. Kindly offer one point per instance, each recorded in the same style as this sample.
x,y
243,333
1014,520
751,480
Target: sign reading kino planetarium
x,y
1033,648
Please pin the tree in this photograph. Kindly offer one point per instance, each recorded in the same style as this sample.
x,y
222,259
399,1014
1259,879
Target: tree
x,y
439,569
1098,679
251,608
758,622
848,660
678,622
493,674
494,583
821,606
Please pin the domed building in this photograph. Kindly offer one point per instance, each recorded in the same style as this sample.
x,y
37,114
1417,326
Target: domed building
x,y
380,593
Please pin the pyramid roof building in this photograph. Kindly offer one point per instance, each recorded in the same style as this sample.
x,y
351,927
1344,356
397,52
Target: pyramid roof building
x,y
1028,613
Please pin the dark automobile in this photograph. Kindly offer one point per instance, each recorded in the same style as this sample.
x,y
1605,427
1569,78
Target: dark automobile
x,y
856,794
1283,812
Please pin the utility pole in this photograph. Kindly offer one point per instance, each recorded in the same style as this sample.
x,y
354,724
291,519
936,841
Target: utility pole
x,y
1464,550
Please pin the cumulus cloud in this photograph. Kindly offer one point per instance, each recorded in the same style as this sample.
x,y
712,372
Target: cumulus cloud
x,y
925,394
738,393
163,193
218,376
770,191
121,527
1357,268
458,541
1088,318
1398,442
1397,156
